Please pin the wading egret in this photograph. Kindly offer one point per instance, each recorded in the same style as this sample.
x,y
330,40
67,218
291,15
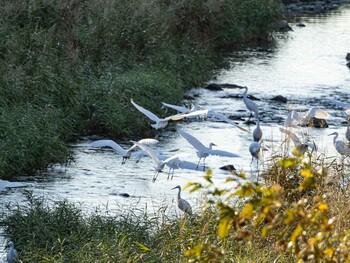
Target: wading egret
x,y
12,255
125,153
255,150
182,203
251,105
257,132
203,151
340,146
159,123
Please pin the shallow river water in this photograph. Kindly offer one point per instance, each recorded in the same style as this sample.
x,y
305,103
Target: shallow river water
x,y
307,66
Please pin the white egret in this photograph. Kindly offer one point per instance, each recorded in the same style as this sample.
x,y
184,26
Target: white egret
x,y
203,151
257,132
179,109
255,151
212,114
314,112
173,162
340,146
125,153
251,105
12,255
300,146
159,123
182,203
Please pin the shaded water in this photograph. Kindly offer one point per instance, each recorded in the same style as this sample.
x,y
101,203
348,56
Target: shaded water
x,y
307,67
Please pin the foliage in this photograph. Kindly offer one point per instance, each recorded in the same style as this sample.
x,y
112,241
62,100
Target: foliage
x,y
76,64
292,218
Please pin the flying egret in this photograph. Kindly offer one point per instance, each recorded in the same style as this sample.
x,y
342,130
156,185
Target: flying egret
x,y
212,114
179,109
203,151
159,123
340,146
257,132
251,105
125,153
173,162
299,145
182,203
314,112
12,255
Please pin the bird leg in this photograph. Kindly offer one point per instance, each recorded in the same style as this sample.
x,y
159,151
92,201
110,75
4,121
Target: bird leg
x,y
198,163
155,176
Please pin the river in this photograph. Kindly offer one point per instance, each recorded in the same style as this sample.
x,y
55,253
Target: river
x,y
307,66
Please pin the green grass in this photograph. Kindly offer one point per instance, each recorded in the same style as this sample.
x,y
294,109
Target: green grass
x,y
70,67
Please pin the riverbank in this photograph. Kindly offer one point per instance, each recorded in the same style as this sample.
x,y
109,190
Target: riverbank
x,y
70,69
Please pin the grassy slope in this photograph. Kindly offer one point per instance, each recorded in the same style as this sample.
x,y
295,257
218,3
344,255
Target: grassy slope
x,y
69,68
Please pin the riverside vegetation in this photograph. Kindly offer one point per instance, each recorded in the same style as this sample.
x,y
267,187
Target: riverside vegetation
x,y
69,68
299,213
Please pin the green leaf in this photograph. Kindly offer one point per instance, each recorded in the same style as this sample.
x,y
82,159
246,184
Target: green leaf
x,y
142,247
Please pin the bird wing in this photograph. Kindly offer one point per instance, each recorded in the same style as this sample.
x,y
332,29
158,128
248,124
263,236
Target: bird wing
x,y
221,153
185,206
189,165
291,135
177,108
149,114
147,141
150,152
223,118
348,112
196,113
109,143
192,140
317,113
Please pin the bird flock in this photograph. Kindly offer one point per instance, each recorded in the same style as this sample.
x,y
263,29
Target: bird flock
x,y
144,147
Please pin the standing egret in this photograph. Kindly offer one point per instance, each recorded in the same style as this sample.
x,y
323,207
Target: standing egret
x,y
159,123
125,153
257,132
251,105
340,146
182,203
203,151
12,255
255,149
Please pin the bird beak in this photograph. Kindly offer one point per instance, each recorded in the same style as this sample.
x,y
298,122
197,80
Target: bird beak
x,y
331,134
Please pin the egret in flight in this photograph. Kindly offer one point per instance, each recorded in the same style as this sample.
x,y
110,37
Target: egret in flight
x,y
12,255
300,146
203,151
159,123
182,203
173,162
314,112
340,146
179,109
125,153
251,105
